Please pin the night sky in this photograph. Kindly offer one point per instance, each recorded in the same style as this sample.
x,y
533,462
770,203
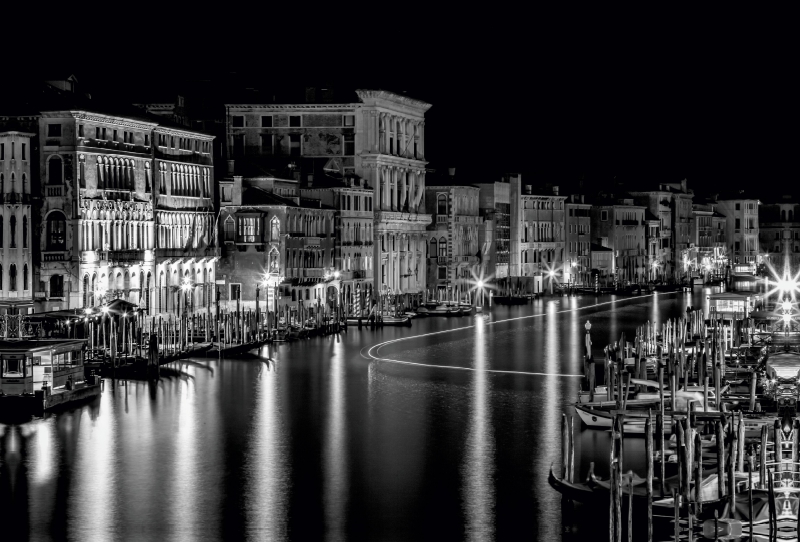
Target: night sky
x,y
555,99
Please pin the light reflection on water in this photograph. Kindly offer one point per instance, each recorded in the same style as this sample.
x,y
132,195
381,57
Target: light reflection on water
x,y
478,468
325,444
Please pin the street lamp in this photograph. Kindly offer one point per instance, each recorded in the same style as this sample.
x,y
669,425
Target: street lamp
x,y
186,286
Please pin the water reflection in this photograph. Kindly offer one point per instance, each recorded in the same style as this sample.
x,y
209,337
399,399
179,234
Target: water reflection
x,y
335,485
479,462
267,465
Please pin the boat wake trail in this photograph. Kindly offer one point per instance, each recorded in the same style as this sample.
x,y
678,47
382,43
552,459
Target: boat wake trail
x,y
373,352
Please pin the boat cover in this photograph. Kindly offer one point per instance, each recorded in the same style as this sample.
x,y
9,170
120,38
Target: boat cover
x,y
784,365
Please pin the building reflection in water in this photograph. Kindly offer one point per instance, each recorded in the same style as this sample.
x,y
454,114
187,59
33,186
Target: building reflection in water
x,y
335,479
478,470
266,465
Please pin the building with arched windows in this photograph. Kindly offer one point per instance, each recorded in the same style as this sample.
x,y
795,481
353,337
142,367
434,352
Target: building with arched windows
x,y
454,261
379,141
16,261
185,240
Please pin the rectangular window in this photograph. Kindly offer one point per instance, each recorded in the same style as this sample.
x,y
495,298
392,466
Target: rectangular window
x,y
80,130
604,215
737,246
349,144
146,140
24,151
2,151
738,206
266,121
294,121
115,136
266,143
237,121
104,134
738,223
294,145
442,273
349,120
234,291
53,130
97,133
172,142
356,203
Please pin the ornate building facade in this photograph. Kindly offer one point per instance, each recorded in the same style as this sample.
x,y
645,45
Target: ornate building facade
x,y
379,140
16,262
183,188
97,208
453,244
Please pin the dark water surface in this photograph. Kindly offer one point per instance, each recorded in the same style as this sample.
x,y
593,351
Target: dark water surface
x,y
322,442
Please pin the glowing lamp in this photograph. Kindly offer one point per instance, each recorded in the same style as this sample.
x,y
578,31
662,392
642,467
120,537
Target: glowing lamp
x,y
787,318
786,305
480,284
87,310
105,310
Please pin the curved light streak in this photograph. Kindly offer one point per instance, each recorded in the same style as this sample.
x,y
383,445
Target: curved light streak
x,y
372,353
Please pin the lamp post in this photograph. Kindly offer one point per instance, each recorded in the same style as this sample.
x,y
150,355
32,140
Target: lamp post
x,y
551,275
186,287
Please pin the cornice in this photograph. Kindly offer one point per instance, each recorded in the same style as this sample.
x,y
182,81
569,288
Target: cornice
x,y
100,117
364,94
182,133
244,108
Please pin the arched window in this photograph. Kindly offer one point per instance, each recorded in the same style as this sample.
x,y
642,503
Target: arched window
x,y
24,231
433,250
2,219
94,287
441,204
56,231
1,276
13,223
57,285
442,247
55,171
147,293
2,184
12,277
86,291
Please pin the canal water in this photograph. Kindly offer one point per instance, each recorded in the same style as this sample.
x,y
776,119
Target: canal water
x,y
442,431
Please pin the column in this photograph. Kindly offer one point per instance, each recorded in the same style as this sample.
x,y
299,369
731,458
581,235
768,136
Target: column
x,y
403,189
385,118
421,147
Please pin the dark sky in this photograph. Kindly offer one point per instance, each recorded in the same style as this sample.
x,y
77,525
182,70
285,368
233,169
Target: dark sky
x,y
711,100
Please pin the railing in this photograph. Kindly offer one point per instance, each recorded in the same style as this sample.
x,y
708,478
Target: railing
x,y
248,239
54,256
311,241
442,259
441,219
359,274
56,190
312,272
125,256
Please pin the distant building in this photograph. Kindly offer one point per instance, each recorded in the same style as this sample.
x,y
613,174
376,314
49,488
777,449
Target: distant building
x,y
622,225
16,248
537,233
453,245
779,235
495,232
353,238
602,264
671,204
282,247
741,228
578,263
708,235
379,139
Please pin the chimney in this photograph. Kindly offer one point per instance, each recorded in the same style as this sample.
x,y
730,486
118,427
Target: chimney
x,y
451,171
310,180
683,186
230,167
581,198
555,190
528,189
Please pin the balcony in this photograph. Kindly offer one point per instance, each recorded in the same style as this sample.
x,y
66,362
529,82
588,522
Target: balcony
x,y
442,260
123,194
466,259
56,190
121,257
311,241
165,255
54,255
441,219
